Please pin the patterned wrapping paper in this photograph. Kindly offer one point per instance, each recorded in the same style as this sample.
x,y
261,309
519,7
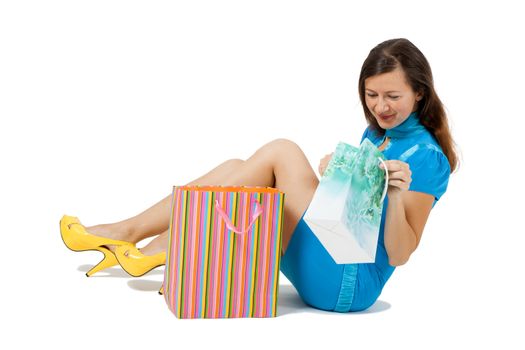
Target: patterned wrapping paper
x,y
214,272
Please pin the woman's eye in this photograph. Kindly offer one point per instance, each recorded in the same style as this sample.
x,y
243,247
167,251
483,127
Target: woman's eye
x,y
371,95
394,97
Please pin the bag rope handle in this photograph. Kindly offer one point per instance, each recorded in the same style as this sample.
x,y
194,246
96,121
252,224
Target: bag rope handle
x,y
258,211
386,179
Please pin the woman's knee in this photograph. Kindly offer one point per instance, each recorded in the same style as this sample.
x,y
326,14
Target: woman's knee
x,y
284,143
281,148
231,165
234,162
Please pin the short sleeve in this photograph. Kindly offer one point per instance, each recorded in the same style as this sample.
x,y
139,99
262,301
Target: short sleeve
x,y
430,170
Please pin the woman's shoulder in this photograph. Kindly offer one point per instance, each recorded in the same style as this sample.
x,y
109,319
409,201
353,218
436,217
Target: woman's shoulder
x,y
421,148
429,165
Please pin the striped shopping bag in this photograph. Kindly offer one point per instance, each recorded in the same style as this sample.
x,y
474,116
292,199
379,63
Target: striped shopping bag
x,y
224,251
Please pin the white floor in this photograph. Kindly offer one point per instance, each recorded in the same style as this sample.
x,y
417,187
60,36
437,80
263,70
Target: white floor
x,y
104,105
440,299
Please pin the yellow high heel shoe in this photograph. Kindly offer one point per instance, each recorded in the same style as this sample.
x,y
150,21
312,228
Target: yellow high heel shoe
x,y
137,264
76,238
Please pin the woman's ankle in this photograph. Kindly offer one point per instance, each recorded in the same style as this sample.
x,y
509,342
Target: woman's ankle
x,y
156,246
127,231
118,231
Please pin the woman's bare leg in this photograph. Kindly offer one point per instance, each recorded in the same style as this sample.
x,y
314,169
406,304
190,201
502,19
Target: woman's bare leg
x,y
279,163
155,219
156,245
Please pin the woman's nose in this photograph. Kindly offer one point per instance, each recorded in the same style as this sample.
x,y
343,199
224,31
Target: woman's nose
x,y
381,106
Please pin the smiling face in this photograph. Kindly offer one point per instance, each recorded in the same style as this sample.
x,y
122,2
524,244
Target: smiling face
x,y
390,99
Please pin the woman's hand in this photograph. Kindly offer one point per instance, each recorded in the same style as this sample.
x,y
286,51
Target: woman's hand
x,y
323,164
399,177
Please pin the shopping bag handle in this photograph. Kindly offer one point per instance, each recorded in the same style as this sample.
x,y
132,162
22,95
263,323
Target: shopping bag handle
x,y
230,225
386,180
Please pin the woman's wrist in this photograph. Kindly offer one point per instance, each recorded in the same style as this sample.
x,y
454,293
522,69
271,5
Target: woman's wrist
x,y
394,195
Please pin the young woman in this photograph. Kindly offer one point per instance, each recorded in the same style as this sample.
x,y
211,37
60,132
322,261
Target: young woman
x,y
407,122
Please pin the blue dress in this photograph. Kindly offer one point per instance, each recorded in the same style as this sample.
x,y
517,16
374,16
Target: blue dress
x,y
325,285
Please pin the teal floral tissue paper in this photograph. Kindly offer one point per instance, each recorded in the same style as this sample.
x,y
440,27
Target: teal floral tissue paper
x,y
345,212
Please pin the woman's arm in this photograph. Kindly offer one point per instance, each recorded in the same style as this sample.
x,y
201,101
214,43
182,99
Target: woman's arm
x,y
406,214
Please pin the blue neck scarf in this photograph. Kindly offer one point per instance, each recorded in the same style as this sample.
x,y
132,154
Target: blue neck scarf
x,y
411,126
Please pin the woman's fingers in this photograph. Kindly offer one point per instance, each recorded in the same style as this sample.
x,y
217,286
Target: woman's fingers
x,y
323,164
400,184
396,165
399,174
327,157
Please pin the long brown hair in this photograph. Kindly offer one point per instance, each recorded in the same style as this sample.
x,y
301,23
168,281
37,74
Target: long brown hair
x,y
395,53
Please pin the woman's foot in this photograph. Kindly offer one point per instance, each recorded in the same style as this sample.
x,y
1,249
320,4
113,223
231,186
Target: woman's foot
x,y
139,262
101,237
157,245
113,231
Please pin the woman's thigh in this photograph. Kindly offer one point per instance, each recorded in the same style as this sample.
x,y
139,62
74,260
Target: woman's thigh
x,y
294,176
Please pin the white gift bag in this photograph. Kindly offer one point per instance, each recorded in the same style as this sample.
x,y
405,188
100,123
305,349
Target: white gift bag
x,y
345,212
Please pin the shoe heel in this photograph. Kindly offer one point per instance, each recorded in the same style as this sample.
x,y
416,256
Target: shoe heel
x,y
108,261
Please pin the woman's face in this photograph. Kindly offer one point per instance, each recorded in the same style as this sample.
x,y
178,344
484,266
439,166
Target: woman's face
x,y
390,99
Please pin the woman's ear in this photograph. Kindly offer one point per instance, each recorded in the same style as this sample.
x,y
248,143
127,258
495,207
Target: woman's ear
x,y
419,96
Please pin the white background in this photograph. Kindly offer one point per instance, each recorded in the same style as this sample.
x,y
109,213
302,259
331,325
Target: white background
x,y
105,105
